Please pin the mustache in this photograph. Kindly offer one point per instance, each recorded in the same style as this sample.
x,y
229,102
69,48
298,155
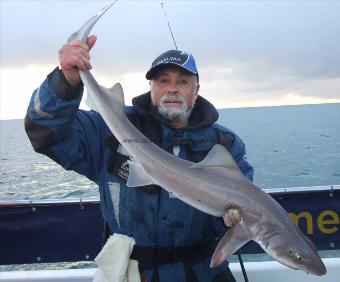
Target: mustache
x,y
172,98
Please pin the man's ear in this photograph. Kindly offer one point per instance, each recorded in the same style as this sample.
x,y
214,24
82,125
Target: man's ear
x,y
197,88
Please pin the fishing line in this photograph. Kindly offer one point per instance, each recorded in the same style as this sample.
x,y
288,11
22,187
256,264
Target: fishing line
x,y
166,18
242,266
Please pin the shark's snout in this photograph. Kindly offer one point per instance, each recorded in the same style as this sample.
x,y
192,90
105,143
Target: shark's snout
x,y
317,268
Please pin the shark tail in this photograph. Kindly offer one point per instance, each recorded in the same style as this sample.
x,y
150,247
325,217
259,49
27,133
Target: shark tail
x,y
85,29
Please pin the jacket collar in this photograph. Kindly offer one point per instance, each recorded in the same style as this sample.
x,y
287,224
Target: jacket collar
x,y
202,115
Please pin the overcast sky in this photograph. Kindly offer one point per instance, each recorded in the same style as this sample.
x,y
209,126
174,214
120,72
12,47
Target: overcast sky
x,y
249,53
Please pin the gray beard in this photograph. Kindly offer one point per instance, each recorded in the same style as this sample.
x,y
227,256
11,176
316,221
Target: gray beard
x,y
180,114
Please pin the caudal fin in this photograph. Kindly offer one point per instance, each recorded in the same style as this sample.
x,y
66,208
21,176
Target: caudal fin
x,y
85,29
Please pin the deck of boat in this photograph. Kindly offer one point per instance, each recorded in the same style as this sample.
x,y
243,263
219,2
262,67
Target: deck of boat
x,y
257,272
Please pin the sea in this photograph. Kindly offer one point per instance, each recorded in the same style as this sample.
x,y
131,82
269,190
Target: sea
x,y
288,146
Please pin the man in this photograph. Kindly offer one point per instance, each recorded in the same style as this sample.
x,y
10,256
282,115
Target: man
x,y
174,242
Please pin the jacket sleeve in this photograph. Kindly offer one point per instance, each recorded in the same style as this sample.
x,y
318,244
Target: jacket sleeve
x,y
59,130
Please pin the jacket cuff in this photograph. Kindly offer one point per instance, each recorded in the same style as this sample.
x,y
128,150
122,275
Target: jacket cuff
x,y
62,88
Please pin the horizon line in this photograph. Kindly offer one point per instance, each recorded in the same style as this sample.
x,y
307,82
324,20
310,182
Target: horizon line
x,y
232,108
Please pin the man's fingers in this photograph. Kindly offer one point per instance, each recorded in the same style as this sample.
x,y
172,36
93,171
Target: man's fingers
x,y
87,64
76,63
77,45
86,46
84,54
227,221
232,217
74,57
91,41
81,63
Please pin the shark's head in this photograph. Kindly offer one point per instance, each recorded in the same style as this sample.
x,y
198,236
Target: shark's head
x,y
295,250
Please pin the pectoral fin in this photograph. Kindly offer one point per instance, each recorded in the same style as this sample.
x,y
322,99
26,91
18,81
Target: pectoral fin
x,y
137,175
233,240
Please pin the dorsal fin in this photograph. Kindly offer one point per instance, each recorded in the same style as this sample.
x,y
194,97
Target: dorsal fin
x,y
218,156
118,94
114,95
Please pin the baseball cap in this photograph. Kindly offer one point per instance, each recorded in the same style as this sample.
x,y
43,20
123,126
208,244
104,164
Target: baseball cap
x,y
174,57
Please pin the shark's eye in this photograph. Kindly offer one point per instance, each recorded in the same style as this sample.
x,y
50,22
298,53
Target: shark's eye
x,y
298,257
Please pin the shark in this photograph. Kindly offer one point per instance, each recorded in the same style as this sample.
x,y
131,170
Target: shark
x,y
215,185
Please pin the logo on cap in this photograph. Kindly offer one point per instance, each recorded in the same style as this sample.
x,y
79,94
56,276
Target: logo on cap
x,y
179,58
176,57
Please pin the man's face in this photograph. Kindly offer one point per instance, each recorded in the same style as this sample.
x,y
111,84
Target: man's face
x,y
174,92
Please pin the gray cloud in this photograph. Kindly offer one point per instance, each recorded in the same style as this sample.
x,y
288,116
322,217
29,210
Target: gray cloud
x,y
270,46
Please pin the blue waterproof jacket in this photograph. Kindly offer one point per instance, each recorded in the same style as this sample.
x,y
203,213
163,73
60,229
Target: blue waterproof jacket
x,y
80,140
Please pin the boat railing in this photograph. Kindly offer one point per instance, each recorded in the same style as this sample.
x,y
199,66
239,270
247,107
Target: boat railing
x,y
64,230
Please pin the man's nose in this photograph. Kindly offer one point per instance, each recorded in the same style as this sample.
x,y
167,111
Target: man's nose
x,y
173,87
